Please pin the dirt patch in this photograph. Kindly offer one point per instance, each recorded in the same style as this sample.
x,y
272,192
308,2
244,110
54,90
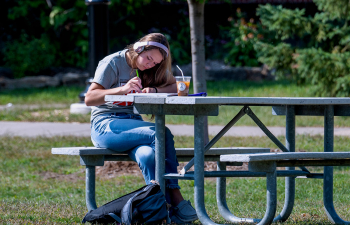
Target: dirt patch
x,y
113,169
73,177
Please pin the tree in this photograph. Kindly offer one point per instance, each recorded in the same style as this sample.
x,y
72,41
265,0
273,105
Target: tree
x,y
196,15
310,49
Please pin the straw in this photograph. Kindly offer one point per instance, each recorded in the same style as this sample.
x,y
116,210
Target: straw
x,y
181,73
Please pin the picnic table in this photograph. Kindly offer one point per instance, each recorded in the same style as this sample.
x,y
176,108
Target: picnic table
x,y
199,107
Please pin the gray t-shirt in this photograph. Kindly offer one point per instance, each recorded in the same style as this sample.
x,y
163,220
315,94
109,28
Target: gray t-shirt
x,y
113,71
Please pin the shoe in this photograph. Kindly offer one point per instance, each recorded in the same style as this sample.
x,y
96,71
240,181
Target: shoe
x,y
183,213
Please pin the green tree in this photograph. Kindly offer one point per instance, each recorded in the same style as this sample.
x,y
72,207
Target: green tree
x,y
309,49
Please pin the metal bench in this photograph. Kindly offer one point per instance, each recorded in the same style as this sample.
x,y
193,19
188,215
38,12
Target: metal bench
x,y
268,162
92,157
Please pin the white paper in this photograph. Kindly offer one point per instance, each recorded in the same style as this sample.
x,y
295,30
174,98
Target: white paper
x,y
153,94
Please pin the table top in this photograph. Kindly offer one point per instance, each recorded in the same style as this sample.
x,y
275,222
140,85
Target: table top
x,y
214,100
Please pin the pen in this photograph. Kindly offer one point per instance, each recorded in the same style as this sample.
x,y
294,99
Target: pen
x,y
137,74
199,94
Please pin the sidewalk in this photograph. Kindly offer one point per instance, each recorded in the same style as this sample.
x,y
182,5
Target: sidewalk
x,y
33,129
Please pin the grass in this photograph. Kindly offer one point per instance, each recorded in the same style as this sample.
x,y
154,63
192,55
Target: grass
x,y
53,104
37,187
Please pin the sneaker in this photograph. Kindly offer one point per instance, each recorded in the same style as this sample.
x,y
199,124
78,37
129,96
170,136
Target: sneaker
x,y
183,213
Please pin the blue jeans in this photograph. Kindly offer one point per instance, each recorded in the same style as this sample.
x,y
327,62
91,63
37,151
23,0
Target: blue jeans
x,y
129,133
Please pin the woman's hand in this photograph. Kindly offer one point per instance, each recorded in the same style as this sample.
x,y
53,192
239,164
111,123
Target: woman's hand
x,y
149,90
133,84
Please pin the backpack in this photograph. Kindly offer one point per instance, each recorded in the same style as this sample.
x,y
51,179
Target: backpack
x,y
145,205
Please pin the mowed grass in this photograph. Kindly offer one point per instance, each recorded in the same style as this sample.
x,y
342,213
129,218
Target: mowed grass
x,y
37,187
52,104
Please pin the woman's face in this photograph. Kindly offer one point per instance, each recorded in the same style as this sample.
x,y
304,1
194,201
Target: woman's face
x,y
149,59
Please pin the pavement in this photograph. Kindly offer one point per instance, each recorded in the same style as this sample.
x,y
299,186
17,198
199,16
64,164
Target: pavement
x,y
49,129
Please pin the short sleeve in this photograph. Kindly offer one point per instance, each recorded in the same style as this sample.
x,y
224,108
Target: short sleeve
x,y
105,75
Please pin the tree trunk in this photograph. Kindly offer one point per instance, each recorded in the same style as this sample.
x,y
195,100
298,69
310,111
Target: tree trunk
x,y
196,13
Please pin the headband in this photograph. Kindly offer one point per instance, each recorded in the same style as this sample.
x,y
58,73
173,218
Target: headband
x,y
157,44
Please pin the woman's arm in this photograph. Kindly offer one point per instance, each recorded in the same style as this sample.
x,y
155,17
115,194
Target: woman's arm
x,y
96,93
171,88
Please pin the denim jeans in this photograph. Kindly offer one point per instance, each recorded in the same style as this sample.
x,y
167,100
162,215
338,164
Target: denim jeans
x,y
129,133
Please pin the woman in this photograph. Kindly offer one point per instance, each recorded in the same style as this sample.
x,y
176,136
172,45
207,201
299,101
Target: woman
x,y
116,127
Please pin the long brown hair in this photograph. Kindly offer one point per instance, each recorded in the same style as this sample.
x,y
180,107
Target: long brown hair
x,y
160,74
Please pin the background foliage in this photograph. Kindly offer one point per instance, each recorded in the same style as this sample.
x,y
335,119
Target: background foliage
x,y
39,35
241,37
309,49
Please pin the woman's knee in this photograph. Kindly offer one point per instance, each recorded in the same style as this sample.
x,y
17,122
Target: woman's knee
x,y
145,156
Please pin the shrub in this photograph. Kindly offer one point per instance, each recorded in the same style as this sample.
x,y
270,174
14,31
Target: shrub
x,y
26,57
242,36
310,49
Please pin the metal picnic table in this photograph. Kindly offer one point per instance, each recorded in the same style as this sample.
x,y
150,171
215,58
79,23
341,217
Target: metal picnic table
x,y
200,107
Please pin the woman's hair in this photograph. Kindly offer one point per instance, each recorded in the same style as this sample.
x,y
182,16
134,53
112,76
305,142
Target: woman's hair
x,y
160,74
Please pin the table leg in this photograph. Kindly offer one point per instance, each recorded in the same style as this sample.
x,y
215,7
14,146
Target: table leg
x,y
328,170
289,181
90,187
199,171
221,199
160,150
271,180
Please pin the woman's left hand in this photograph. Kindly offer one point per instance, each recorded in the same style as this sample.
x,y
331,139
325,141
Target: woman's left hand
x,y
149,90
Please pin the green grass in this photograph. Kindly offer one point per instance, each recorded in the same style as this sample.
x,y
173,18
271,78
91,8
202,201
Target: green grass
x,y
37,187
45,98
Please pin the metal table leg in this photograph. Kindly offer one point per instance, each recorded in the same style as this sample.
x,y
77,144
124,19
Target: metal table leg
x,y
90,188
271,181
160,150
90,162
289,181
221,199
328,170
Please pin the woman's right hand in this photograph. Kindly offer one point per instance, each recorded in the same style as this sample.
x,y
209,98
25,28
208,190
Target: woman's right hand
x,y
133,84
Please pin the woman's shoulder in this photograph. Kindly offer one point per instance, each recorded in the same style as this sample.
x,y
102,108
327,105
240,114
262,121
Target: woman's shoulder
x,y
115,57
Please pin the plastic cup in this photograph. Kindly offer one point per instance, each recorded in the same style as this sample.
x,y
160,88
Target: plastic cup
x,y
183,85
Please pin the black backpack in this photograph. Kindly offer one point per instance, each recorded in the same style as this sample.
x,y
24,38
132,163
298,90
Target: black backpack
x,y
145,205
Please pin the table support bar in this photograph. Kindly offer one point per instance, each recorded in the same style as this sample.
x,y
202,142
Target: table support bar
x,y
215,139
268,133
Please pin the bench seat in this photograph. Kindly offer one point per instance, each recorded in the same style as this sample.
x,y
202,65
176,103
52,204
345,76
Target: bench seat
x,y
183,154
179,151
290,159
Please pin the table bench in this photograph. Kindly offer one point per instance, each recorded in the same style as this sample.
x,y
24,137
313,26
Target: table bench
x,y
92,157
268,162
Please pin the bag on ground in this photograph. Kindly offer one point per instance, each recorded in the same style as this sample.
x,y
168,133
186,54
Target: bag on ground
x,y
145,205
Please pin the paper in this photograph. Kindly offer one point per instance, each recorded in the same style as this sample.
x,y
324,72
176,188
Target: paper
x,y
153,94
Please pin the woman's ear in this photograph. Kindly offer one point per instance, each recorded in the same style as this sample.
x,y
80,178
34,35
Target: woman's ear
x,y
139,49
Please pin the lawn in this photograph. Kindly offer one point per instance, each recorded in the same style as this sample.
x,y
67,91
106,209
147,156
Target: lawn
x,y
40,188
52,104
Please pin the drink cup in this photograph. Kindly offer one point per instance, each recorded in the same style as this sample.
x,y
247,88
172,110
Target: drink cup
x,y
183,85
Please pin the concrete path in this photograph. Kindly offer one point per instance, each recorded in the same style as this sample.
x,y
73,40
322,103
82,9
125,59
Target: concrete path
x,y
33,129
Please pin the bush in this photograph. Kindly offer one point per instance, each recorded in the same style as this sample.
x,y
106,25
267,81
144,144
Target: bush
x,y
242,36
26,57
310,49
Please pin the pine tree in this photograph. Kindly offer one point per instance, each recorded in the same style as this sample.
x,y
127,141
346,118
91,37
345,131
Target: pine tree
x,y
310,49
